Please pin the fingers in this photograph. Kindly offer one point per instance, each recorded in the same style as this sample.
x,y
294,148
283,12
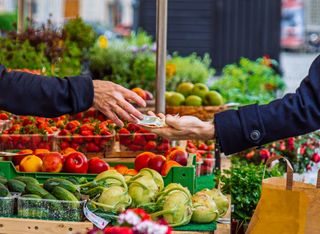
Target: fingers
x,y
129,108
105,109
173,122
128,94
151,113
124,115
114,118
160,115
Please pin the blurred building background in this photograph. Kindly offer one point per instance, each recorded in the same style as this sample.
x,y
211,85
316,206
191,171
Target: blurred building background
x,y
286,30
105,12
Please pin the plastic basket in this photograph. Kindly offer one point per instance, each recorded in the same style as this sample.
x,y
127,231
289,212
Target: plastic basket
x,y
143,142
50,209
207,166
7,206
21,141
86,144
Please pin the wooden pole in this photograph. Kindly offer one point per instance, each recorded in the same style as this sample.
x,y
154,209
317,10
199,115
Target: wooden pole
x,y
162,12
20,16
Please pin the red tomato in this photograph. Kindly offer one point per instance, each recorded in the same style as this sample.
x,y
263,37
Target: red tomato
x,y
76,162
97,165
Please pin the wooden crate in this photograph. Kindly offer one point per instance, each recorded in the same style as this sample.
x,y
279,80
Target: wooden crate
x,y
34,226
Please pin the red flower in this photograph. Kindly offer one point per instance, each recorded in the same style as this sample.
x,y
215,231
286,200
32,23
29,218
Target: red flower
x,y
141,213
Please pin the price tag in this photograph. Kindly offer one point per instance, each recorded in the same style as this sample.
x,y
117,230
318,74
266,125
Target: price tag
x,y
95,219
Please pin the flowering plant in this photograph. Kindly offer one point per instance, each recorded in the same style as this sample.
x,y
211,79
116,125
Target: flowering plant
x,y
135,221
303,151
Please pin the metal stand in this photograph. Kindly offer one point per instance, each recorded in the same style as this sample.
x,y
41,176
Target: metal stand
x,y
162,11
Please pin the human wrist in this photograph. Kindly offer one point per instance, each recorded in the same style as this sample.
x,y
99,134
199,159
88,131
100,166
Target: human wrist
x,y
206,131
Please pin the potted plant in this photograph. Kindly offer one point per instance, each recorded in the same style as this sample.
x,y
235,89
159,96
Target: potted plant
x,y
243,183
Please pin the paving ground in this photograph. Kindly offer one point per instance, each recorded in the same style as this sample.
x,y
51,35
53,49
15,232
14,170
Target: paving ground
x,y
295,67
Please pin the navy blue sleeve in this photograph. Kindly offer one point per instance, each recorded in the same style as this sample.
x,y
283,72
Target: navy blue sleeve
x,y
27,94
253,125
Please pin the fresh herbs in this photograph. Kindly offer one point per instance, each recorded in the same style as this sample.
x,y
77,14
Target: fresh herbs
x,y
243,181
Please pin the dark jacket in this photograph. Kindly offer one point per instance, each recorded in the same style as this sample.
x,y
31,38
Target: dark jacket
x,y
255,125
26,94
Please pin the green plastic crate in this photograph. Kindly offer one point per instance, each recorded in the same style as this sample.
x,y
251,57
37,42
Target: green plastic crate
x,y
182,175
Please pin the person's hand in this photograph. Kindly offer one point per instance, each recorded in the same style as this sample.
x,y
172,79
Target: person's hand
x,y
184,128
113,101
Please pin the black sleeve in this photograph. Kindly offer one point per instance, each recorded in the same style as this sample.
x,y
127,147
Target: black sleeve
x,y
254,125
27,94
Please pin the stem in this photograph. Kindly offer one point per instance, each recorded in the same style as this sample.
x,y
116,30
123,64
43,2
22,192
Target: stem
x,y
115,178
139,183
103,205
161,212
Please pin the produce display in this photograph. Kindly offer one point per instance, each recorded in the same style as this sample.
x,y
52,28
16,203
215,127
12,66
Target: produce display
x,y
111,195
28,133
134,138
70,161
189,94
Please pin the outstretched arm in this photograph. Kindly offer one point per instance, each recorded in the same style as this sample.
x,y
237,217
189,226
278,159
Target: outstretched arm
x,y
27,94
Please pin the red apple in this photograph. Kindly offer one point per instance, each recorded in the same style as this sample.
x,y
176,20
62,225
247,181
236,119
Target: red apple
x,y
17,159
180,156
41,152
171,150
156,163
76,162
52,162
97,165
149,96
142,160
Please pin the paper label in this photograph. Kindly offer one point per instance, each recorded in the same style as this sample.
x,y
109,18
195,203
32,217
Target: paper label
x,y
95,219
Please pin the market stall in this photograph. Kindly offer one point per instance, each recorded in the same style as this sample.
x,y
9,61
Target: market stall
x,y
78,172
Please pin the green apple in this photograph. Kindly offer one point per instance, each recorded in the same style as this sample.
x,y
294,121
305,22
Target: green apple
x,y
168,94
185,88
200,90
193,100
213,98
176,99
